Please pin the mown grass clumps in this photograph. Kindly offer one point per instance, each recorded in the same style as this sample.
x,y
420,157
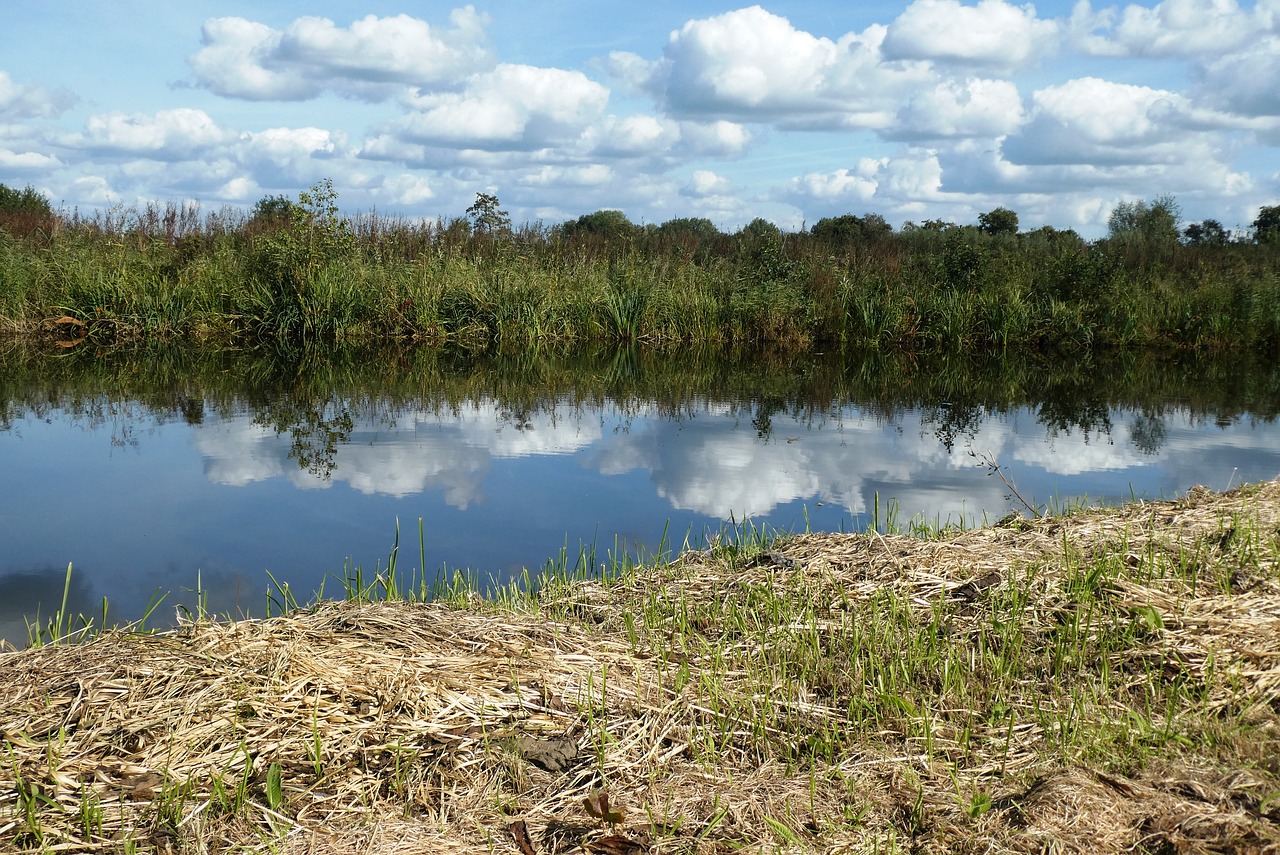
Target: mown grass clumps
x,y
1100,681
299,271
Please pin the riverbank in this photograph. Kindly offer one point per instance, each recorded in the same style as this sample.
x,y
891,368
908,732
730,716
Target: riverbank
x,y
1104,681
173,274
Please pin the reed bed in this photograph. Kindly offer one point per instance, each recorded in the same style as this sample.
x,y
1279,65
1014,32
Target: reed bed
x,y
174,273
1103,681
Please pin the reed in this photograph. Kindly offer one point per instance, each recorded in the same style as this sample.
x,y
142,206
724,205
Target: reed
x,y
166,273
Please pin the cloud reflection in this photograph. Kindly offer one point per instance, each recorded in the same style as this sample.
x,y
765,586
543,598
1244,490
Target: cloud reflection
x,y
717,462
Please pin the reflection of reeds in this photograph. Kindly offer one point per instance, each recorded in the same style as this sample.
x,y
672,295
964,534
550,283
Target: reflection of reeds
x,y
167,273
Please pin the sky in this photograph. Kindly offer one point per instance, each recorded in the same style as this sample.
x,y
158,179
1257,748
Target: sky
x,y
790,111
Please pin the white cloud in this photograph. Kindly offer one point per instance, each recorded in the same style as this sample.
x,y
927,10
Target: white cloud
x,y
509,107
843,185
373,58
704,182
278,154
25,101
991,34
753,65
165,135
634,136
714,139
1170,28
953,108
1246,81
588,175
633,71
406,189
1093,121
24,160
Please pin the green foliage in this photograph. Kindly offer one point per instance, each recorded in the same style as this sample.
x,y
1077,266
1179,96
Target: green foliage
x,y
274,211
964,261
25,212
290,260
1152,223
1266,226
610,225
25,201
487,217
838,232
1000,221
695,227
297,271
1207,233
760,230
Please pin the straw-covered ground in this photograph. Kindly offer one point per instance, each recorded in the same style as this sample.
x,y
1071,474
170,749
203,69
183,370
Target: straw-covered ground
x,y
1104,681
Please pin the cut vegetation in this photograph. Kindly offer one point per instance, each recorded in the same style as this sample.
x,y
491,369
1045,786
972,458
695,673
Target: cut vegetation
x,y
1103,681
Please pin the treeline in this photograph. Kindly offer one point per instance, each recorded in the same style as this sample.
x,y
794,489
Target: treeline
x,y
300,271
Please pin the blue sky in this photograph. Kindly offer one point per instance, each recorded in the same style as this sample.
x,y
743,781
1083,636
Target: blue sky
x,y
790,111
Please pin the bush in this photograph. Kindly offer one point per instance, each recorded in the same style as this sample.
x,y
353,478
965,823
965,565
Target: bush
x,y
25,212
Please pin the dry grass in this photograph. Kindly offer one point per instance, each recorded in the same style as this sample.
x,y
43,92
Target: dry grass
x,y
1105,681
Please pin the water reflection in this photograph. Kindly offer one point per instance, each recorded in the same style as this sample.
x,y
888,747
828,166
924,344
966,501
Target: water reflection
x,y
148,471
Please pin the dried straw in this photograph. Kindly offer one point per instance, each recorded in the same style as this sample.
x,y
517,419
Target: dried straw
x,y
409,727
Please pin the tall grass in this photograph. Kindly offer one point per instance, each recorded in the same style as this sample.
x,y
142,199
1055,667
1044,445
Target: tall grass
x,y
165,273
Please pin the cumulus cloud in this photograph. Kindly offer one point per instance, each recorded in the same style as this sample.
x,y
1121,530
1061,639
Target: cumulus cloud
x,y
26,160
1094,121
633,136
714,139
704,182
25,101
843,185
373,58
1170,28
288,153
968,108
509,107
991,34
1236,79
752,65
586,175
164,135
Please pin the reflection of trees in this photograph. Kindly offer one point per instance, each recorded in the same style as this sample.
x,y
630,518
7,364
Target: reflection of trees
x,y
1148,432
315,428
1061,413
952,421
316,397
762,421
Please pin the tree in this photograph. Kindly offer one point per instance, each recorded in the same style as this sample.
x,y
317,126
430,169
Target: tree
x,y
611,225
1207,233
1000,221
761,229
848,229
25,212
699,227
1266,227
273,211
25,201
1152,223
486,215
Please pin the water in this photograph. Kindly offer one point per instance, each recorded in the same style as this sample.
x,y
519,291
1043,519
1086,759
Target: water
x,y
148,472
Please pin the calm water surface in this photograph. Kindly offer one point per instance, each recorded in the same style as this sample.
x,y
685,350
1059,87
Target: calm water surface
x,y
147,472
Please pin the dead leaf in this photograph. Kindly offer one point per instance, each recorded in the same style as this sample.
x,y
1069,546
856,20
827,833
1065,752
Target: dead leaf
x,y
520,832
597,805
616,844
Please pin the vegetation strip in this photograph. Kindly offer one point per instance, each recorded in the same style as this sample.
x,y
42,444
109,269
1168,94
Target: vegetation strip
x,y
1102,681
300,272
